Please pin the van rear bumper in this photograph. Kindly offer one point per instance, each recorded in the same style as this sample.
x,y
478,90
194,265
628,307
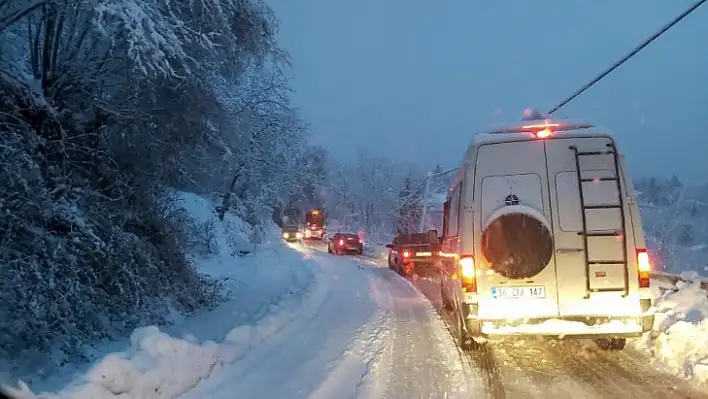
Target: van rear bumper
x,y
559,327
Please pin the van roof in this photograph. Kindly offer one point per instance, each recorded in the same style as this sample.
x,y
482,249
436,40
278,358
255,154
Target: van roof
x,y
529,128
526,130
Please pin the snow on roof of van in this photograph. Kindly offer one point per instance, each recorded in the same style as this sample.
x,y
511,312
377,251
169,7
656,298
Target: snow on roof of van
x,y
559,127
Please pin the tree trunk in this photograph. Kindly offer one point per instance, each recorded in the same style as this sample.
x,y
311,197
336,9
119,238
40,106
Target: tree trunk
x,y
226,201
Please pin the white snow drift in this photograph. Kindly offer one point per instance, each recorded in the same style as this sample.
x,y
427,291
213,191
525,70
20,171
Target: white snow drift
x,y
164,362
679,338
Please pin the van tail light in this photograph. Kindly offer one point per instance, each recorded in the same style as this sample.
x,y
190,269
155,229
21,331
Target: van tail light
x,y
406,254
643,268
468,274
341,242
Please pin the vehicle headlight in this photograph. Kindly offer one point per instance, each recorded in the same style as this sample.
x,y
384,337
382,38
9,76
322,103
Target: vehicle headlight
x,y
286,235
298,235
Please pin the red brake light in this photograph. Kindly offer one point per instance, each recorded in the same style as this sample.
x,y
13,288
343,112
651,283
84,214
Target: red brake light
x,y
341,242
643,268
406,254
468,273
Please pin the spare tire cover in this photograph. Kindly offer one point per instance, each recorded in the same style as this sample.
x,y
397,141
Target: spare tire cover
x,y
517,242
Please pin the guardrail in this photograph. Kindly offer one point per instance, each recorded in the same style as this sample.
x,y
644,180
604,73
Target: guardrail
x,y
672,279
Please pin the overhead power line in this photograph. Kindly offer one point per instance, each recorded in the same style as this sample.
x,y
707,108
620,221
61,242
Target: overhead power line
x,y
629,55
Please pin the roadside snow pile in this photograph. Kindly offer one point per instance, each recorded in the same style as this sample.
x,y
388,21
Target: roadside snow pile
x,y
679,338
266,285
214,240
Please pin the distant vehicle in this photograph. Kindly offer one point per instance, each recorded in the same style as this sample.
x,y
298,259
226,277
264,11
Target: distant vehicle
x,y
345,243
545,211
416,253
291,233
315,225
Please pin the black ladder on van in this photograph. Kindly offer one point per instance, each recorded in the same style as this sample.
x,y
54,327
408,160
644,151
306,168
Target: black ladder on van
x,y
587,235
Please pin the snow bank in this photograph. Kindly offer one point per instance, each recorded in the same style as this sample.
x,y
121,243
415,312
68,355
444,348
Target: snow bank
x,y
679,338
166,361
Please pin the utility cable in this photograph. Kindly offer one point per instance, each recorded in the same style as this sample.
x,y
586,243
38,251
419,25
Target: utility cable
x,y
628,56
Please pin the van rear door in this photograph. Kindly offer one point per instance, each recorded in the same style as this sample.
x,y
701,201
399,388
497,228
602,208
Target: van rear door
x,y
512,174
591,284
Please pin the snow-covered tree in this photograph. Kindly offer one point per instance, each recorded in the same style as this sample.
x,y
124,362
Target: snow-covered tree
x,y
105,105
409,206
366,194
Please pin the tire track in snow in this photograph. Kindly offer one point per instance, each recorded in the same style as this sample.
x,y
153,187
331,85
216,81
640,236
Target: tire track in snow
x,y
346,375
534,368
423,361
266,337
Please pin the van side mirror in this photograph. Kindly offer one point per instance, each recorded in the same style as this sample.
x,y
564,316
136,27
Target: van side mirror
x,y
389,246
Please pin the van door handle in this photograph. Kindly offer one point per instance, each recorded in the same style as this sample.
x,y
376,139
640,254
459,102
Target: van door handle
x,y
568,250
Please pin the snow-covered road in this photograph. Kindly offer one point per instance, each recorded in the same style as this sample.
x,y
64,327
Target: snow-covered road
x,y
360,333
365,332
301,323
566,369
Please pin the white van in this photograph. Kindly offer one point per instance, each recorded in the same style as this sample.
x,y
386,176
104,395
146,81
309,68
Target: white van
x,y
542,236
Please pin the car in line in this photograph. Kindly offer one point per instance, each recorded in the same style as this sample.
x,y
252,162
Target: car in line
x,y
415,254
315,225
291,233
345,243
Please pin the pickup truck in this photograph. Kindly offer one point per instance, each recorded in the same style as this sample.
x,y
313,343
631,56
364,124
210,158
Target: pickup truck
x,y
415,254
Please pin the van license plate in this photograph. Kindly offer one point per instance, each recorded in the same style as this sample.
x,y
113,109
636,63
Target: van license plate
x,y
423,254
519,292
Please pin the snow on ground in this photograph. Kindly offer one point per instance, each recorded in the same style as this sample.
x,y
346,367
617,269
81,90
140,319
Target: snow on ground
x,y
302,323
163,362
679,338
334,333
364,332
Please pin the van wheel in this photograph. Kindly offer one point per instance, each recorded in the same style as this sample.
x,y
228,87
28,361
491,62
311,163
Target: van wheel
x,y
463,339
445,302
611,344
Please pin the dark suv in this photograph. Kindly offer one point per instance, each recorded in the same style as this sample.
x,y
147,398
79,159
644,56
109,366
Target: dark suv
x,y
415,253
